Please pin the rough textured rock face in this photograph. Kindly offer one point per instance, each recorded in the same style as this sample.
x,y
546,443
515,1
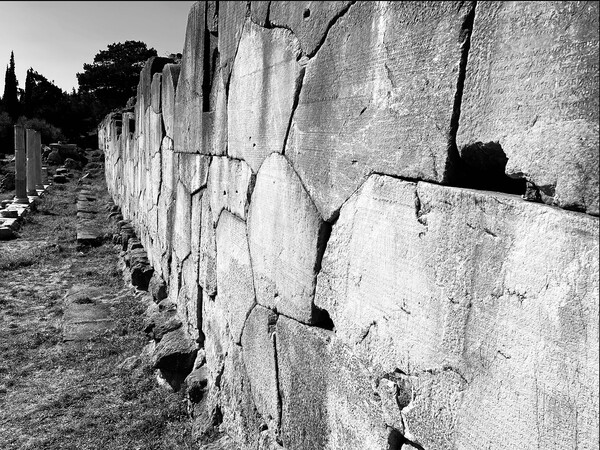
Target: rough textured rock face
x,y
170,76
234,273
532,86
264,81
477,275
309,21
364,109
284,231
299,182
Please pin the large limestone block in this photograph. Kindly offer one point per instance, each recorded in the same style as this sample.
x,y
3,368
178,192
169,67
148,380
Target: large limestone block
x,y
182,222
170,76
230,184
499,290
187,128
155,131
258,349
309,21
285,233
264,80
153,65
232,16
302,358
196,228
379,97
187,134
217,341
207,264
190,298
156,93
235,286
327,399
193,171
241,419
532,86
214,120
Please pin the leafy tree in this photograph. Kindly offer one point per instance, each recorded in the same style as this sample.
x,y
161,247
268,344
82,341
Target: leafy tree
x,y
113,76
43,99
9,99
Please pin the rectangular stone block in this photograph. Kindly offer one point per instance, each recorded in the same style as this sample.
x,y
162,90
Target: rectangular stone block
x,y
265,77
170,76
235,287
379,97
532,86
426,277
326,392
182,222
207,264
156,93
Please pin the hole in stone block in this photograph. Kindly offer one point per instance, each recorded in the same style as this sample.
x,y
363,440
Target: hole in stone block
x,y
482,166
306,13
323,319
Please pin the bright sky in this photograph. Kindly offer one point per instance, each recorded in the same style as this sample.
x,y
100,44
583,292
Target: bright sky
x,y
57,38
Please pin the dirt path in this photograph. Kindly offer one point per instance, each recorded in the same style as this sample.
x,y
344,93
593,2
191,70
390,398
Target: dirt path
x,y
84,394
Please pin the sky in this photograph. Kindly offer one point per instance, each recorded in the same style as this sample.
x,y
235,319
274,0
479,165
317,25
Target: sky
x,y
57,38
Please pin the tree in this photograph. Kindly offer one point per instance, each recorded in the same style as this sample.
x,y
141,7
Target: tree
x,y
43,99
9,99
113,77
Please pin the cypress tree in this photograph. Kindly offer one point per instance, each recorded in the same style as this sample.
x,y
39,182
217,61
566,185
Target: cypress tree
x,y
9,99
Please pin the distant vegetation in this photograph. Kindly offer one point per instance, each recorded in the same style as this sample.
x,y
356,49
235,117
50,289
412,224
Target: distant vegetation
x,y
105,84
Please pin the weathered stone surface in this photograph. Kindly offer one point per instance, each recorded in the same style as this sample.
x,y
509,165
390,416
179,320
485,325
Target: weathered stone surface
x,y
217,340
264,80
235,285
258,350
190,297
259,12
285,233
309,21
241,420
193,171
425,422
378,97
230,184
207,264
153,65
212,16
157,288
470,271
231,22
175,352
187,134
170,76
214,120
332,404
156,94
183,218
532,86
155,132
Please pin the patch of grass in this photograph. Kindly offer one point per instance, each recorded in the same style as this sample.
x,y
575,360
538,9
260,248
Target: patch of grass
x,y
17,260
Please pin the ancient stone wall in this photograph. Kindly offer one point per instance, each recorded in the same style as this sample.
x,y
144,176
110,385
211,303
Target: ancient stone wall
x,y
379,220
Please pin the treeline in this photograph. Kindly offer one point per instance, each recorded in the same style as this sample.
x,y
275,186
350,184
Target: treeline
x,y
104,85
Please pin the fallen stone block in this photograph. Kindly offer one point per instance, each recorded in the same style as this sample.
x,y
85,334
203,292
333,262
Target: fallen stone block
x,y
141,273
175,352
197,383
6,233
88,236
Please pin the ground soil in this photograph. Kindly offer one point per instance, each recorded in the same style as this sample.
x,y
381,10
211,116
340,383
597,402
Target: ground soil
x,y
75,395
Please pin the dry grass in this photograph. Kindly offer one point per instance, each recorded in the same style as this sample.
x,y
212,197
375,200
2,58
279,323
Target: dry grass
x,y
57,395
